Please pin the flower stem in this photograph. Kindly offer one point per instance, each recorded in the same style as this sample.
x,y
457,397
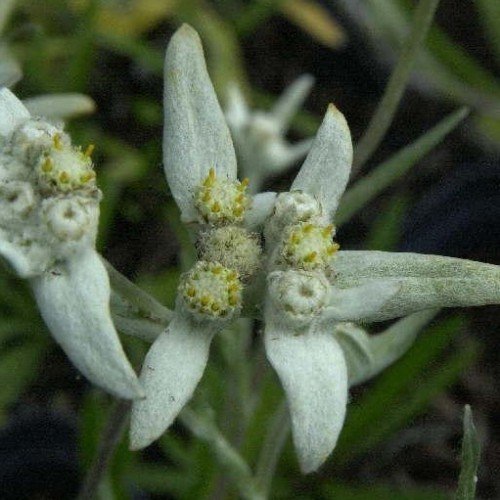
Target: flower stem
x,y
110,439
272,447
384,114
233,464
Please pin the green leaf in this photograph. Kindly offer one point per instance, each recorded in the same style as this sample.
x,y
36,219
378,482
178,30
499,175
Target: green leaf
x,y
489,15
18,368
471,451
161,479
385,231
6,8
386,108
380,492
385,174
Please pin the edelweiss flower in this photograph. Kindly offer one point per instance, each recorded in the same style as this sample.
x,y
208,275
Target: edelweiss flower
x,y
49,212
200,166
309,288
259,136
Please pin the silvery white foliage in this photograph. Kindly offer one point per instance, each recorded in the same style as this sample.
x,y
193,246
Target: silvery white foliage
x,y
307,289
49,211
259,136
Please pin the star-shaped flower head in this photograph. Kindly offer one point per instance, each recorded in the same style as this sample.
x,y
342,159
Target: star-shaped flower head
x,y
260,136
312,287
49,212
200,166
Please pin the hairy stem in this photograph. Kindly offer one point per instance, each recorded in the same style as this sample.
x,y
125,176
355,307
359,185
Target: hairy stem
x,y
272,447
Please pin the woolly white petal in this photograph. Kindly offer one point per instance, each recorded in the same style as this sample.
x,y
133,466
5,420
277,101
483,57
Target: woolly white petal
x,y
426,281
262,208
17,259
73,299
237,111
12,112
361,302
171,371
313,372
291,100
196,137
326,169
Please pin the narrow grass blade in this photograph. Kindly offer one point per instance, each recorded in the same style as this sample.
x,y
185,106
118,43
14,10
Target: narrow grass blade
x,y
384,114
367,188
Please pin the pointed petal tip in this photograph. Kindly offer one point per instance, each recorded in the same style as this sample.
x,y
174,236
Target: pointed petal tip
x,y
335,113
139,440
308,466
186,31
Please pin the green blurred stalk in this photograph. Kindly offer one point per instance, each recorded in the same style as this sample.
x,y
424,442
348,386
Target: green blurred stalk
x,y
471,452
386,109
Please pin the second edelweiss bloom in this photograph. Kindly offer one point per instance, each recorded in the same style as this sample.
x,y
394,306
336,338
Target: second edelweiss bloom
x,y
49,212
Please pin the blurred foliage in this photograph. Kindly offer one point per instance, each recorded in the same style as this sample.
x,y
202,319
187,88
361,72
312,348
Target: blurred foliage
x,y
59,45
471,452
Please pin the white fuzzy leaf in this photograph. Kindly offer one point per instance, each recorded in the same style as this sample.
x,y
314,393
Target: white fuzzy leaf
x,y
359,302
291,100
170,373
425,281
313,373
73,299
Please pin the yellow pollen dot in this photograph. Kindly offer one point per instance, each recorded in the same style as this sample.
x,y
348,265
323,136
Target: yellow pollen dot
x,y
191,292
327,231
295,239
308,228
57,141
233,300
232,276
217,270
64,176
216,207
240,198
205,300
206,197
89,150
215,307
47,165
210,179
87,176
245,182
333,248
238,211
311,257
